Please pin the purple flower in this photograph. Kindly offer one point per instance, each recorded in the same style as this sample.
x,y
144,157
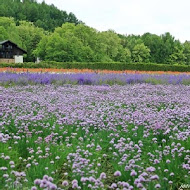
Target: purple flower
x,y
154,177
75,185
5,175
91,179
50,179
28,165
150,169
125,184
45,177
74,181
34,188
117,173
83,179
133,173
42,185
156,161
102,175
168,161
7,158
139,185
65,183
141,179
37,181
113,185
11,163
157,186
53,186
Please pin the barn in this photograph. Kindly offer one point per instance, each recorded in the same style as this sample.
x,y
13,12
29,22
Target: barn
x,y
10,52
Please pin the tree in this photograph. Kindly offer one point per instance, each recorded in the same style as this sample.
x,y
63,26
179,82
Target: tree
x,y
3,34
40,50
91,38
124,55
30,36
42,15
186,52
168,43
9,30
140,53
111,45
155,44
178,56
130,41
64,45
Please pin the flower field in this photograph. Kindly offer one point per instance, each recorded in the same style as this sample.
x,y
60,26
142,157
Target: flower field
x,y
68,136
9,78
51,70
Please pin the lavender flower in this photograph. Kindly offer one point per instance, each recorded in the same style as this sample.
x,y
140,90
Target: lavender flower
x,y
117,173
65,183
133,173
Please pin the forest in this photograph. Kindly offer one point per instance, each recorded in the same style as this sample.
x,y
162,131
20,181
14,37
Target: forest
x,y
42,15
46,32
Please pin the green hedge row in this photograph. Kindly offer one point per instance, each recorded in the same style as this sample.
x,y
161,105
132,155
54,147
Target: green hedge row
x,y
101,66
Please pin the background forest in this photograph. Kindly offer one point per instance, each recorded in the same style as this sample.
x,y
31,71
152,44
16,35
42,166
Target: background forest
x,y
54,35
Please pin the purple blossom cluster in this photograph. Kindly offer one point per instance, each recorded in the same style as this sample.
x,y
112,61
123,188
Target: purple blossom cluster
x,y
45,183
91,78
94,137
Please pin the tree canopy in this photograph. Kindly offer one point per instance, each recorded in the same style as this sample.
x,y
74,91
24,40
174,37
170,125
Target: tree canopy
x,y
42,15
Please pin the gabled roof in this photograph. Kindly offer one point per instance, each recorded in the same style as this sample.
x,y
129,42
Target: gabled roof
x,y
1,43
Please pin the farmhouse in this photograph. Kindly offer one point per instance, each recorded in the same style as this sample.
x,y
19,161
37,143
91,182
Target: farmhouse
x,y
10,52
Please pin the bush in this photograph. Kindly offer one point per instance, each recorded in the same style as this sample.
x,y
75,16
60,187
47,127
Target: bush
x,y
101,66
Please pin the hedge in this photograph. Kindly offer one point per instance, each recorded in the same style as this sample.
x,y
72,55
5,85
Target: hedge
x,y
101,66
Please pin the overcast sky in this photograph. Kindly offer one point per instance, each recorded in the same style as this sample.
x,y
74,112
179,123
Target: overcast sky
x,y
132,16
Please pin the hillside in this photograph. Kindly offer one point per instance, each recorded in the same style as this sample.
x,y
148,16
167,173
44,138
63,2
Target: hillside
x,y
42,15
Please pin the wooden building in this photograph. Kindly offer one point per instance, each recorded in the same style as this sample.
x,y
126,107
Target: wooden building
x,y
10,52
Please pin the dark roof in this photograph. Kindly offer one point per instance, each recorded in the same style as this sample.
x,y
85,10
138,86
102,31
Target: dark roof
x,y
12,43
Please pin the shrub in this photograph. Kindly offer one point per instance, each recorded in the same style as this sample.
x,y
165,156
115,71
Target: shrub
x,y
101,66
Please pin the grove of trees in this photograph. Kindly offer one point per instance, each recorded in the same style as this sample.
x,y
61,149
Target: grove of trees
x,y
53,35
42,15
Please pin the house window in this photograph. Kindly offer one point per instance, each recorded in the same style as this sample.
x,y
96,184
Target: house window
x,y
9,47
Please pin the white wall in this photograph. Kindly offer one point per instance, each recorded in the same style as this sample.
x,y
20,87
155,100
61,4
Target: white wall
x,y
18,59
38,60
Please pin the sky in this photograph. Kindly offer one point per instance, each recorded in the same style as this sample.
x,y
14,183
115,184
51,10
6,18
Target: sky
x,y
132,16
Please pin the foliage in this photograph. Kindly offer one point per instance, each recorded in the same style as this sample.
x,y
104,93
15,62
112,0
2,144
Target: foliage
x,y
25,35
81,43
30,36
100,66
140,53
186,51
177,57
9,30
154,43
42,15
